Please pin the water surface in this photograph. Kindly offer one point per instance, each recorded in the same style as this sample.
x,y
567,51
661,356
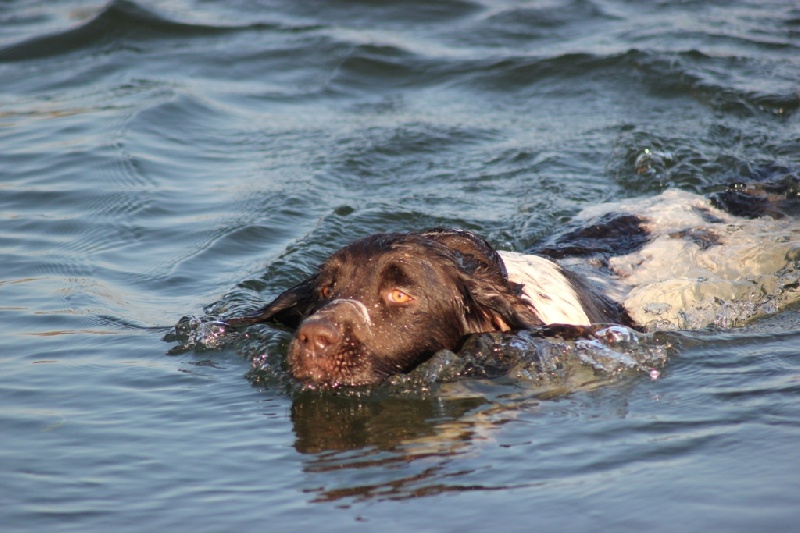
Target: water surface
x,y
171,158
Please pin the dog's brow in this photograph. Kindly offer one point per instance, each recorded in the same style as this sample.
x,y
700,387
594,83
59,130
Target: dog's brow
x,y
358,305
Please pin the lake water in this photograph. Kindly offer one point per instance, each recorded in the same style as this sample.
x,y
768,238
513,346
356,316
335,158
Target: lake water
x,y
168,158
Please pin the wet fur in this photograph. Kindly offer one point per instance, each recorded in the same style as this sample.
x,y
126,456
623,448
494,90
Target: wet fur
x,y
348,333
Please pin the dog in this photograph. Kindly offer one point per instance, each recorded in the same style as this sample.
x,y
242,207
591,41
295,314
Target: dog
x,y
387,302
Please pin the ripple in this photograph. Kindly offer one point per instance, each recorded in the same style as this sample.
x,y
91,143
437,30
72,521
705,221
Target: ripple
x,y
163,158
117,21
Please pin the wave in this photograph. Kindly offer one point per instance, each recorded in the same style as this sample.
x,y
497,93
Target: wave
x,y
119,21
689,73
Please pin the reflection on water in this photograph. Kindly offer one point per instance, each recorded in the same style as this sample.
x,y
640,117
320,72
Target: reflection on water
x,y
391,447
340,422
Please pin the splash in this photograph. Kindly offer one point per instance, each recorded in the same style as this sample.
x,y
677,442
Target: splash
x,y
537,359
199,334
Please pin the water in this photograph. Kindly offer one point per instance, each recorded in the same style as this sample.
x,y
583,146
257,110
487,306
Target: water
x,y
172,158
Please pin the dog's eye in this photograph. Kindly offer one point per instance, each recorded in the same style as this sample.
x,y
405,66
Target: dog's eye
x,y
399,297
326,291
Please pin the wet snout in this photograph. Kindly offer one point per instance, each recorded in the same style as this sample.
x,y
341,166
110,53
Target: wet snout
x,y
318,335
324,329
327,344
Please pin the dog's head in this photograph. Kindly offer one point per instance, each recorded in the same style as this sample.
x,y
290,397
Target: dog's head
x,y
386,303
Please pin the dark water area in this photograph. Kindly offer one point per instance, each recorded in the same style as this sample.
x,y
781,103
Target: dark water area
x,y
169,158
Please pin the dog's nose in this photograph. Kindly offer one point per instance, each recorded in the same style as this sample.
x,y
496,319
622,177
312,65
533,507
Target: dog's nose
x,y
318,335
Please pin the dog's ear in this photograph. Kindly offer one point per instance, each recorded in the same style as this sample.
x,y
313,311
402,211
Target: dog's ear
x,y
289,308
495,304
473,251
492,302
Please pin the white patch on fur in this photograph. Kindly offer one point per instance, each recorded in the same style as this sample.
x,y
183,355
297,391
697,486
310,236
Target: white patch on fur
x,y
546,288
362,309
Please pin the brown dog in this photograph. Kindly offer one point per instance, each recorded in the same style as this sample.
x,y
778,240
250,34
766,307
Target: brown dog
x,y
386,303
